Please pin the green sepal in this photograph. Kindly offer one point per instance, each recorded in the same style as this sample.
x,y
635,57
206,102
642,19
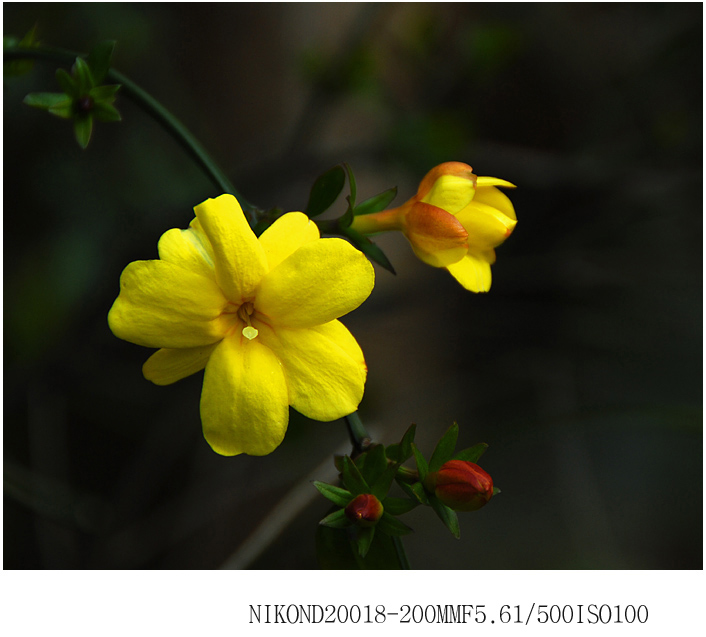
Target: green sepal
x,y
99,59
106,92
422,465
392,526
352,478
376,203
46,101
415,491
83,126
67,83
84,77
472,454
446,515
496,491
338,496
364,540
399,506
325,191
368,248
336,520
382,485
444,448
105,112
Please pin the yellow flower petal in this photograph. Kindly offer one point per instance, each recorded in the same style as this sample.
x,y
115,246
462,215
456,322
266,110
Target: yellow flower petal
x,y
167,366
287,234
319,282
324,368
436,236
240,261
186,248
472,272
451,193
244,402
494,181
487,227
162,305
493,197
339,334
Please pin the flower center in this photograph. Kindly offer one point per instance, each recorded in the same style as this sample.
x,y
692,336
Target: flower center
x,y
245,311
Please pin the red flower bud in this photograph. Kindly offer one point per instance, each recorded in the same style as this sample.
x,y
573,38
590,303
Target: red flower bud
x,y
364,510
462,486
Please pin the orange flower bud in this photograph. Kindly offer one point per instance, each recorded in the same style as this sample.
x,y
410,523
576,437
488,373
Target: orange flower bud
x,y
462,486
364,510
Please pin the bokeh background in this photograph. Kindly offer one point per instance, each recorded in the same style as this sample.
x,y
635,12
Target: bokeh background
x,y
582,368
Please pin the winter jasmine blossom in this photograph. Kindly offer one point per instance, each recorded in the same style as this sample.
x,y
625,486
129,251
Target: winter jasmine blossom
x,y
259,314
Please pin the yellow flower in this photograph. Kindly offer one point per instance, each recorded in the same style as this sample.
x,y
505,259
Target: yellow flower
x,y
258,314
455,221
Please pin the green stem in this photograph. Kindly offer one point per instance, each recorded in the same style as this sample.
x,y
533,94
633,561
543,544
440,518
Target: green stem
x,y
407,475
143,99
359,435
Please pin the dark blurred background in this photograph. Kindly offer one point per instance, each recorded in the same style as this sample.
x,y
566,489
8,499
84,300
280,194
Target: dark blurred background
x,y
582,368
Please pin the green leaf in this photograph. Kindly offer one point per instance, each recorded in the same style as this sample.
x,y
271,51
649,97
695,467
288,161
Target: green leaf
x,y
338,496
347,219
372,465
364,540
45,101
472,454
405,451
30,38
106,92
392,451
368,248
444,448
99,59
336,520
415,491
352,185
422,465
376,203
352,478
84,78
382,485
67,83
64,109
399,506
82,130
19,67
325,191
446,515
392,526
336,549
333,549
105,112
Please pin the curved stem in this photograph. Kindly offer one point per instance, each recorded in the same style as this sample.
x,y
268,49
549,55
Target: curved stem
x,y
143,99
359,435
